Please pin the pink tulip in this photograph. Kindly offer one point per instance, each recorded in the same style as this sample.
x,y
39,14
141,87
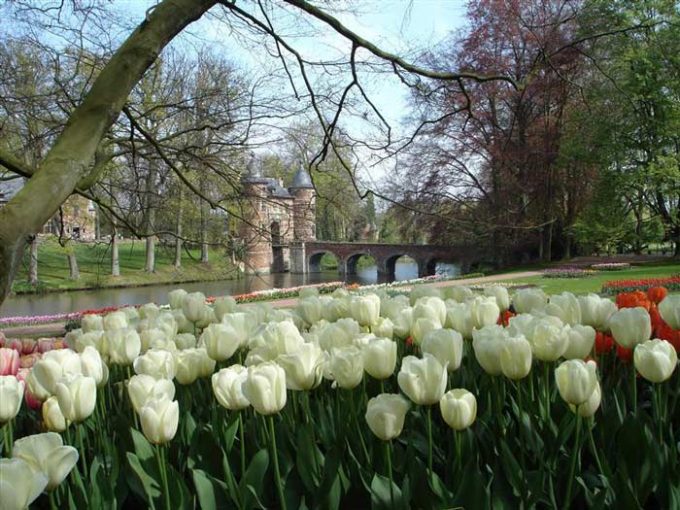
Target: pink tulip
x,y
22,374
28,345
9,361
45,344
31,400
14,343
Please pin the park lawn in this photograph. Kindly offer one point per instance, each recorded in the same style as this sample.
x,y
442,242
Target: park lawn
x,y
594,282
94,263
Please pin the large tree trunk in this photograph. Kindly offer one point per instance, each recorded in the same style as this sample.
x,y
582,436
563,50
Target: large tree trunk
x,y
70,159
150,265
33,263
115,261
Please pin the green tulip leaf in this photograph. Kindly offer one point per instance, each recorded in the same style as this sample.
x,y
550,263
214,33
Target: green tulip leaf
x,y
381,496
211,493
150,487
251,485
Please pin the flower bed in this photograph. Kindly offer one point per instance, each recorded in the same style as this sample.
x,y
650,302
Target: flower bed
x,y
610,266
610,288
350,401
568,272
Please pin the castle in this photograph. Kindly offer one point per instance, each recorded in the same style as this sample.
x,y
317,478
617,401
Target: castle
x,y
276,220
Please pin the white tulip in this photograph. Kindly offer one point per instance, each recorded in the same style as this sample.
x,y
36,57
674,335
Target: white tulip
x,y
193,306
193,364
459,293
487,343
501,295
52,416
227,387
346,366
515,357
157,363
385,415
581,342
159,419
142,388
459,317
590,406
548,340
365,309
423,380
669,309
483,311
93,366
221,341
91,322
655,360
421,327
595,311
124,345
383,328
115,320
11,395
47,454
176,298
77,396
566,307
380,358
265,388
20,484
458,408
446,345
576,380
304,367
528,300
630,326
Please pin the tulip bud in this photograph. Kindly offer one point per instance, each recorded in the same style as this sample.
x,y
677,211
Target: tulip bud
x,y
77,395
9,361
92,339
380,358
669,309
458,408
549,340
501,295
11,394
91,322
630,326
227,387
276,338
431,307
655,360
459,293
47,454
402,323
176,298
581,342
527,300
595,311
365,309
385,415
224,305
149,311
459,317
193,305
384,328
487,343
50,369
20,483
115,320
483,311
446,345
221,341
93,366
346,366
590,406
192,364
185,341
515,357
265,388
159,418
143,388
576,380
303,367
423,380
421,327
310,309
157,363
566,307
52,416
124,345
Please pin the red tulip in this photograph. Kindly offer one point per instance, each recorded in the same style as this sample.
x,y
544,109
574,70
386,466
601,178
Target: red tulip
x,y
603,343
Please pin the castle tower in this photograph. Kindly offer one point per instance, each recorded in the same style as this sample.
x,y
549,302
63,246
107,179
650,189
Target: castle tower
x,y
304,207
253,231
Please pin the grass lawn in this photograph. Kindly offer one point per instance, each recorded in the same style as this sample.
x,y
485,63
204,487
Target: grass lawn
x,y
94,262
594,282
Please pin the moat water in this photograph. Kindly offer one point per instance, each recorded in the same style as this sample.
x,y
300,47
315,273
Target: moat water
x,y
61,302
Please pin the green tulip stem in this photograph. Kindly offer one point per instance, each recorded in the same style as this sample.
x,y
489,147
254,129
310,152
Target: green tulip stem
x,y
574,457
275,457
353,412
9,440
546,389
520,408
459,460
429,438
53,503
634,388
163,469
81,446
658,410
591,440
382,386
388,462
241,436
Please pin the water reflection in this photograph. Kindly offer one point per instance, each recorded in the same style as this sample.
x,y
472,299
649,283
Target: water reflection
x,y
63,302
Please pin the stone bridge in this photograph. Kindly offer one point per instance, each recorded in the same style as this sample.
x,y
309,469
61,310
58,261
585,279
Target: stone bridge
x,y
306,256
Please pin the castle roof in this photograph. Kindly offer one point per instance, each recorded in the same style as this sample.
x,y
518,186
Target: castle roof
x,y
302,179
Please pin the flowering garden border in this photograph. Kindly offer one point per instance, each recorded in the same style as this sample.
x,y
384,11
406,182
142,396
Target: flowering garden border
x,y
612,287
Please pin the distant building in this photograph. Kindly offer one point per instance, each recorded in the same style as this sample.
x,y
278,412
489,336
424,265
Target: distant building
x,y
275,218
78,214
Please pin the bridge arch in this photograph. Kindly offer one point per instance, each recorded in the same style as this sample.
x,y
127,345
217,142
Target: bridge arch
x,y
351,261
314,260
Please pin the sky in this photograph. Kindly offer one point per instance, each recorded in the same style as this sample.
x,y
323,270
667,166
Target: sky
x,y
404,27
